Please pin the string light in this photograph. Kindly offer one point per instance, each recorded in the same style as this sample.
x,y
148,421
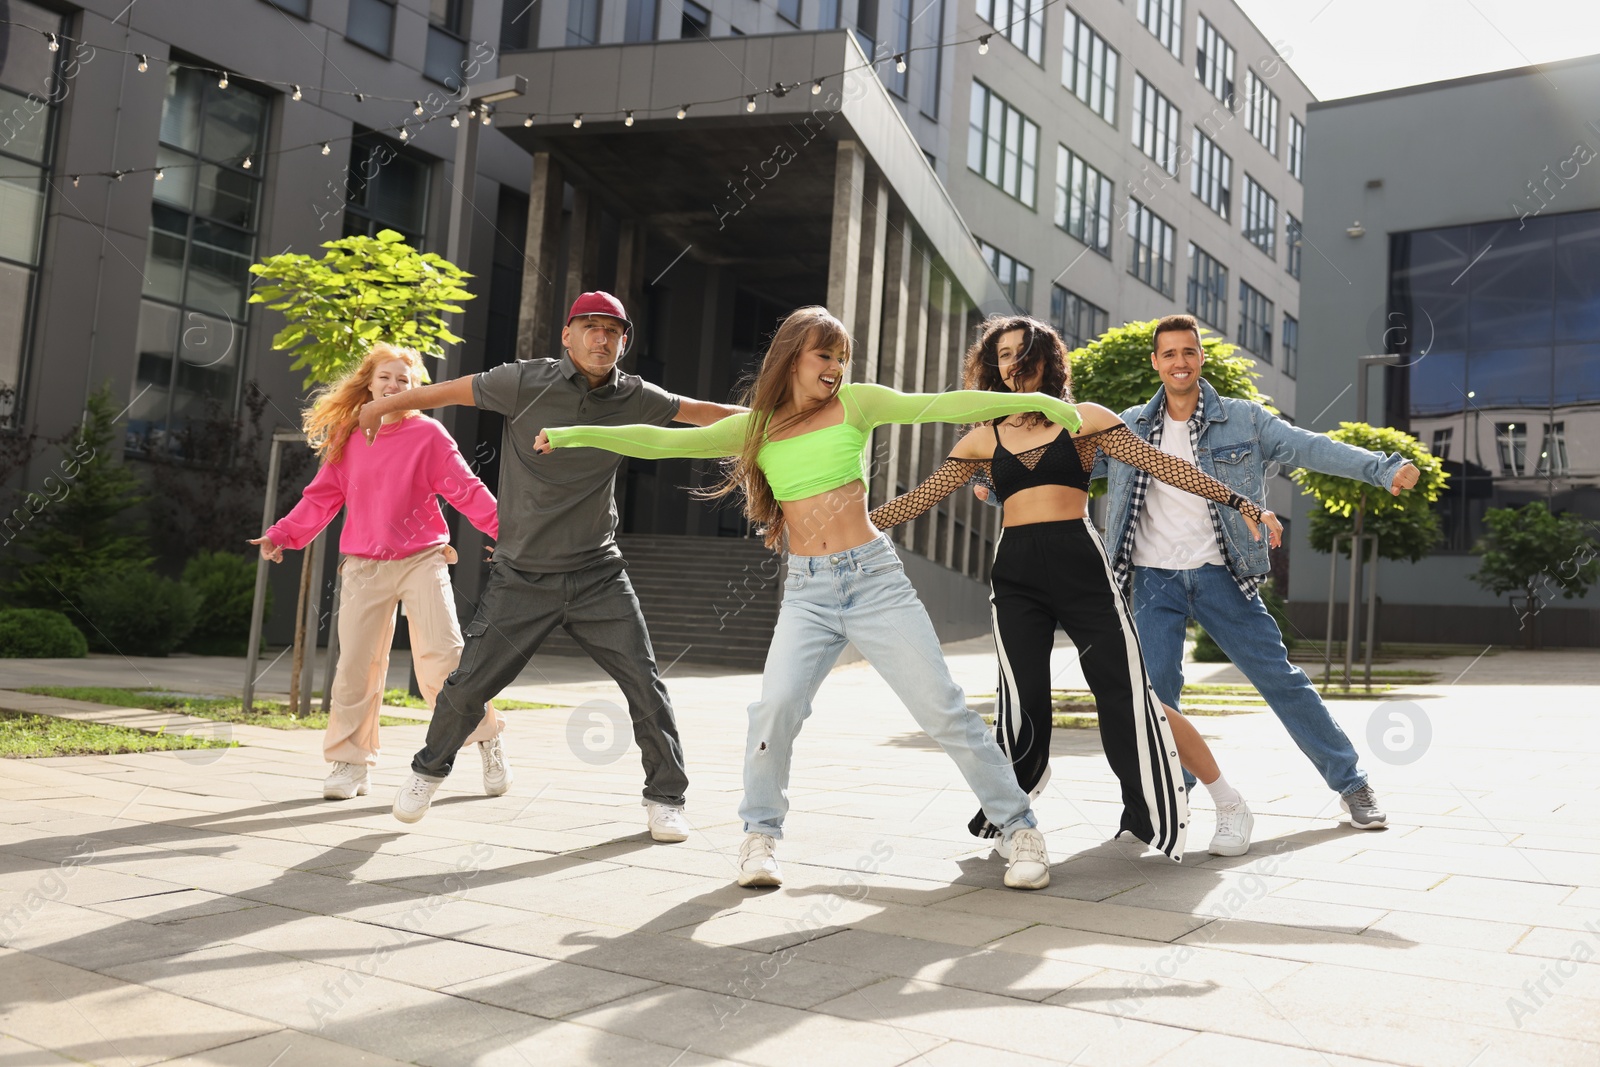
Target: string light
x,y
417,109
683,112
577,122
484,111
296,94
983,45
222,82
626,122
750,102
52,43
74,181
327,148
144,63
117,174
900,63
361,98
248,162
455,121
528,121
780,89
816,87
161,174
405,134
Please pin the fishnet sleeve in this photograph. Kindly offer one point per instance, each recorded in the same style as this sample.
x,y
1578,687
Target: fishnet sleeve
x,y
1123,444
951,475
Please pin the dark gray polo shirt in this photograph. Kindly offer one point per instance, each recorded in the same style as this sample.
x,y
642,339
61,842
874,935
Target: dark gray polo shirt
x,y
558,512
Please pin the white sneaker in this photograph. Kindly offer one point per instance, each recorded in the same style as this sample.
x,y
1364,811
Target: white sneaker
x,y
1030,862
346,781
411,803
667,823
496,771
757,864
1234,823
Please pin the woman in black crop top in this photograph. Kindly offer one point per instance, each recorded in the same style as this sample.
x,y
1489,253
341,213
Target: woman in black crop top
x,y
1051,569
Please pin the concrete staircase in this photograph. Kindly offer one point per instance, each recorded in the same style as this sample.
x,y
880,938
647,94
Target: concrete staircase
x,y
710,600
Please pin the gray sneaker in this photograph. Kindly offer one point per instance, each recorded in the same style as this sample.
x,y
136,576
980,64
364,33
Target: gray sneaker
x,y
1362,804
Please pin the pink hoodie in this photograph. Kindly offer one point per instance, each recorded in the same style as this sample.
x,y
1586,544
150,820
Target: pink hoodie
x,y
392,487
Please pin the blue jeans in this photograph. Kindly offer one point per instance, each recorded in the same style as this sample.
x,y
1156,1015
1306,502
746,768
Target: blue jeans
x,y
1163,603
862,595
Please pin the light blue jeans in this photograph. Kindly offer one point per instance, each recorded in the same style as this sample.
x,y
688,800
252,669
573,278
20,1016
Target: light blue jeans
x,y
862,595
1163,603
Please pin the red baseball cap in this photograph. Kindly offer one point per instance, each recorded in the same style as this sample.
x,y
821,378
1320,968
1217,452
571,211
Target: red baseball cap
x,y
598,303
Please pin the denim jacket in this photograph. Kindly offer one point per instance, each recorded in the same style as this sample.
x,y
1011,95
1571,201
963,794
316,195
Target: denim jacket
x,y
1238,440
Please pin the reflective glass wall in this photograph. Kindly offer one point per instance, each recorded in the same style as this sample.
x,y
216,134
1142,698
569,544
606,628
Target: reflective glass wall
x,y
1499,324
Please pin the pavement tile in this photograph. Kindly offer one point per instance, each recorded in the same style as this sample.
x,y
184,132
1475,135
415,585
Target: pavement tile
x,y
550,988
281,1049
1010,973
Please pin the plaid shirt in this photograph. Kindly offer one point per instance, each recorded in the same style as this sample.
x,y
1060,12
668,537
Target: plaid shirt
x,y
1122,564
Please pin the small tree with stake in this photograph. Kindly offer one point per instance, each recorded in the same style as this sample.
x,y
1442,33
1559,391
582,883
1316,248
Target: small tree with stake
x,y
1530,551
1406,525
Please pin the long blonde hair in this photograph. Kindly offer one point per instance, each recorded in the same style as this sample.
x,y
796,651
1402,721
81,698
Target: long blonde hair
x,y
332,415
805,328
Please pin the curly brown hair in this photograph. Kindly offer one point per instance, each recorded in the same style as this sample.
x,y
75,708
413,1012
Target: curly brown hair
x,y
1042,349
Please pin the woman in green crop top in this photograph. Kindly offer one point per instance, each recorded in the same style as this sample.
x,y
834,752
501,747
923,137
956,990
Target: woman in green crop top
x,y
798,459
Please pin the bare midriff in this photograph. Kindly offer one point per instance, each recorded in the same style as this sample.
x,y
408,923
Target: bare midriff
x,y
1045,503
834,521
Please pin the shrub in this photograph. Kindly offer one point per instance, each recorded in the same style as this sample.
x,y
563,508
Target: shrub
x,y
138,613
29,633
226,585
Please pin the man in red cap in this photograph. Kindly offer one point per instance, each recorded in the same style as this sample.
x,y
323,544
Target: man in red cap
x,y
556,560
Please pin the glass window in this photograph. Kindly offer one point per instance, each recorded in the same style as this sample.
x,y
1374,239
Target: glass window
x,y
1255,323
1155,124
932,60
867,25
1151,248
1297,148
446,58
1021,21
696,21
1553,452
517,30
583,22
203,223
894,79
640,24
1003,144
1211,175
1291,345
1015,278
827,14
371,24
1292,242
1261,111
1208,289
1511,443
1083,201
1213,62
1260,217
1441,442
1075,319
789,11
1164,18
1089,67
449,14
386,189
297,7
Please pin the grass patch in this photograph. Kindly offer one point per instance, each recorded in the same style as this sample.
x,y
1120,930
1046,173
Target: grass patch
x,y
399,698
269,713
1305,651
27,736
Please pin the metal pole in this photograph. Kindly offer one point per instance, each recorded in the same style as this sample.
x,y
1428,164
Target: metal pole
x,y
333,644
1354,599
269,511
315,554
298,660
1327,633
1372,607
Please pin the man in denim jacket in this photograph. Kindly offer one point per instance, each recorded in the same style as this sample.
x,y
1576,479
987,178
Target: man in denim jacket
x,y
1182,568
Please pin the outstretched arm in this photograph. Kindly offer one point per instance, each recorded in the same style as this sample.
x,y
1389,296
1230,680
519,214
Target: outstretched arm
x,y
423,397
950,475
720,439
879,405
705,412
1121,443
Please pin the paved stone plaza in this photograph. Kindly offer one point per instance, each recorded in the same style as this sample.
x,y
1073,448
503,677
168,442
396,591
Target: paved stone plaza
x,y
209,908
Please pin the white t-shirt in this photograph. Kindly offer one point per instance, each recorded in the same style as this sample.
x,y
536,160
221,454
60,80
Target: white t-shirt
x,y
1175,532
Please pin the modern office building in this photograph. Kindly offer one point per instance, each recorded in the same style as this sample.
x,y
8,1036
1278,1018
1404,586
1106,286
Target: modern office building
x,y
913,168
1477,264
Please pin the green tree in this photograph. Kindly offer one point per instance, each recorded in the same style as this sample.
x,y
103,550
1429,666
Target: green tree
x,y
1528,550
80,523
1114,369
1406,525
363,290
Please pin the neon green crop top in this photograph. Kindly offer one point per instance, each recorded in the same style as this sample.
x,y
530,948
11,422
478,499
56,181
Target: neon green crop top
x,y
820,460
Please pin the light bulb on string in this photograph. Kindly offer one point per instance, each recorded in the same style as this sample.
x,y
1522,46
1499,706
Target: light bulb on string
x,y
628,121
816,87
405,134
577,122
900,63
455,121
74,181
248,163
683,112
983,45
528,121
417,109
52,43
484,113
327,148
750,102
161,174
296,94
779,89
222,82
117,174
361,98
144,63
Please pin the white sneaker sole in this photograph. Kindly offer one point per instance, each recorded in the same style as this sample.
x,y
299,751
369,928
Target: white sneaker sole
x,y
335,792
757,879
1235,849
409,817
669,837
1015,880
1375,824
497,789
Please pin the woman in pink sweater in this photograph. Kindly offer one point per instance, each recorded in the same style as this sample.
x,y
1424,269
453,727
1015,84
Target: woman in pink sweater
x,y
396,550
